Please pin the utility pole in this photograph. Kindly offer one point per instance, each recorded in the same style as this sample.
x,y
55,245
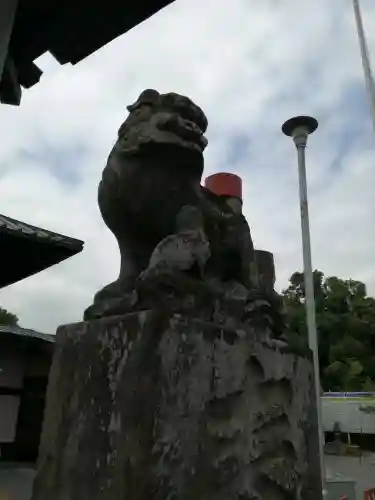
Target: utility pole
x,y
369,79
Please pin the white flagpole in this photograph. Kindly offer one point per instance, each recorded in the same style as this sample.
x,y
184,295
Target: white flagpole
x,y
369,79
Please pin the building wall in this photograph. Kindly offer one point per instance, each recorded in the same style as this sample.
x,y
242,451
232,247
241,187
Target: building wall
x,y
347,412
25,365
12,365
38,364
12,370
8,418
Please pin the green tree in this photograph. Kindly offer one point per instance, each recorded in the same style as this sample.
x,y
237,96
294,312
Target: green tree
x,y
346,329
7,318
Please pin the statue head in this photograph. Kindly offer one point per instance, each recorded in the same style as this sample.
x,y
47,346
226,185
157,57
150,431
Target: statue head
x,y
163,122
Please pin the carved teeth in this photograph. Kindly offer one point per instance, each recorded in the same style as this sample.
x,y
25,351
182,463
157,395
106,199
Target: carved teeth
x,y
184,128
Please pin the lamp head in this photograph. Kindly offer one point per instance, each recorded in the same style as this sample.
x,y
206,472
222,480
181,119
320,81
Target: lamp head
x,y
306,123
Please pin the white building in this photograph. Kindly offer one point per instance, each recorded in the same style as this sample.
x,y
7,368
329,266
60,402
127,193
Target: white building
x,y
354,412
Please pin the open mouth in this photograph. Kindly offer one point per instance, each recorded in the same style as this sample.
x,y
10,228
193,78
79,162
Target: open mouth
x,y
184,128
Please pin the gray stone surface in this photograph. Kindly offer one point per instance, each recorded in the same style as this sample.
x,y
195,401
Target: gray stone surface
x,y
265,265
360,469
153,405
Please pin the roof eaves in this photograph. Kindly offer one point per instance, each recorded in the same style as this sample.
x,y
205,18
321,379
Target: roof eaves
x,y
13,226
25,332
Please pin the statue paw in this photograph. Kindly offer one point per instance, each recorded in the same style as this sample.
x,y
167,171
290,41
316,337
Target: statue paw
x,y
113,306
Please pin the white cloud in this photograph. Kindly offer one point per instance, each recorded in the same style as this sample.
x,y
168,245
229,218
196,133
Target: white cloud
x,y
250,65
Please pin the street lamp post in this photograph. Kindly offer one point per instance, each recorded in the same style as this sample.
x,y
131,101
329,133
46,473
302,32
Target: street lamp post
x,y
369,79
299,129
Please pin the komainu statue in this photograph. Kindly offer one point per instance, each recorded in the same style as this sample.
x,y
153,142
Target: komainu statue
x,y
179,384
171,231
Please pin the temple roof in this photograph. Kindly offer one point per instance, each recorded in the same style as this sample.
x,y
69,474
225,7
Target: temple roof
x,y
70,30
26,249
27,333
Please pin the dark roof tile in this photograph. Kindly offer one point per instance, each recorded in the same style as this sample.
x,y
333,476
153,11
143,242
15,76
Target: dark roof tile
x,y
16,227
25,332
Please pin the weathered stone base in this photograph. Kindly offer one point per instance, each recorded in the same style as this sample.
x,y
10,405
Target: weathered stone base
x,y
148,406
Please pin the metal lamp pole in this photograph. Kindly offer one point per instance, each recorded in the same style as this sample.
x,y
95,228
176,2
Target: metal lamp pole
x,y
369,79
299,129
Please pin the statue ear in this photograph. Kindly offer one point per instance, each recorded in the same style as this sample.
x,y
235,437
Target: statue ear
x,y
148,96
133,107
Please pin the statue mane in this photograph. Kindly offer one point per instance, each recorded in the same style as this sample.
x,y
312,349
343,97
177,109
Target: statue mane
x,y
163,120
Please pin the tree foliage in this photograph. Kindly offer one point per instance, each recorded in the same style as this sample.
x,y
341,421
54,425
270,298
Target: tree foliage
x,y
346,329
8,318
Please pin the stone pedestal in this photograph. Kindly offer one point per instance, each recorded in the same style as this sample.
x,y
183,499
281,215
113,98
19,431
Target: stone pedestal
x,y
151,406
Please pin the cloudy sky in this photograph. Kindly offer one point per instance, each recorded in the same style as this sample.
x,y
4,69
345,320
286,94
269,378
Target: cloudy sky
x,y
250,65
